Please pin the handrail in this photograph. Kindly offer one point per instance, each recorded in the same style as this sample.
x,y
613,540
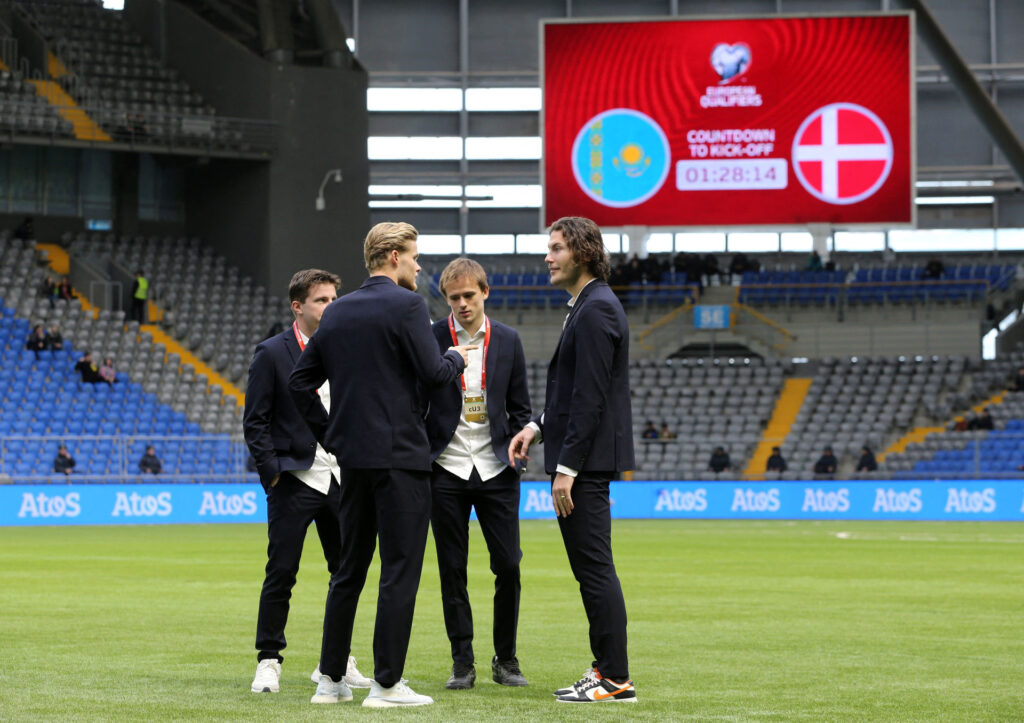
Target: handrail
x,y
665,319
790,336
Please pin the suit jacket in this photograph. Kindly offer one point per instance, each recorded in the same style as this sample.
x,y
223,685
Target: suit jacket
x,y
588,419
508,394
375,347
278,438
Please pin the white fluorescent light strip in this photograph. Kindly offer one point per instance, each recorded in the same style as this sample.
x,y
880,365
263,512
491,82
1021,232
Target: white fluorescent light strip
x,y
954,200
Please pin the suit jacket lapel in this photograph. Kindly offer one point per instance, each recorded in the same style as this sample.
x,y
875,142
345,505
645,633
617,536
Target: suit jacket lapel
x,y
292,345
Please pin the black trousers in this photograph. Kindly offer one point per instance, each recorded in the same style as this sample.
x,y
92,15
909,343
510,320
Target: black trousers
x,y
587,534
497,509
291,507
394,506
138,311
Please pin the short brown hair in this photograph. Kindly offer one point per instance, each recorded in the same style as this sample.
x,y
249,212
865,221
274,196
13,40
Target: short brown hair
x,y
584,240
463,268
303,281
383,239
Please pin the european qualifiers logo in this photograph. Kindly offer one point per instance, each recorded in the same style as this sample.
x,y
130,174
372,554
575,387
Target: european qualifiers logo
x,y
842,153
621,158
731,62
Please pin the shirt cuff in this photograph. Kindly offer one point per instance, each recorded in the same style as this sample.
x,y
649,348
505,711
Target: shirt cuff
x,y
568,471
538,434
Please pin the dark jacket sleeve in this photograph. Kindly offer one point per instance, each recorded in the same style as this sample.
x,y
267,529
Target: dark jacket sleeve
x,y
518,402
259,408
596,329
421,347
308,376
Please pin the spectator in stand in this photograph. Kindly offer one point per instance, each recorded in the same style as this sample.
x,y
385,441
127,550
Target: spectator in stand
x,y
107,371
985,420
140,296
87,368
972,422
934,269
719,461
36,340
650,432
867,461
54,340
49,290
26,230
150,463
63,463
1017,383
665,432
64,290
827,463
814,262
740,264
776,463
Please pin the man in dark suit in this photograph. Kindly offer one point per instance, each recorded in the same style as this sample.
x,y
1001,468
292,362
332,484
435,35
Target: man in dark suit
x,y
375,348
470,425
587,430
300,477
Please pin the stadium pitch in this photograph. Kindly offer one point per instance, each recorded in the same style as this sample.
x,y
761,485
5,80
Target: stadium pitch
x,y
729,620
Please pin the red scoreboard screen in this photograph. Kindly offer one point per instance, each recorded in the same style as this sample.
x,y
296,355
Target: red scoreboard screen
x,y
781,121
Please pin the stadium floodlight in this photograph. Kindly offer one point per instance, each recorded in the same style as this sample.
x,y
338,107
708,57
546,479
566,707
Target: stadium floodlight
x,y
334,173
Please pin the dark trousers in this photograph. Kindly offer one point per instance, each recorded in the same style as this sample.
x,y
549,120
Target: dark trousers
x,y
394,505
291,507
587,534
138,311
497,509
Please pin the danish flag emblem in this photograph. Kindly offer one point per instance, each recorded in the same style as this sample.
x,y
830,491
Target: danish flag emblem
x,y
842,153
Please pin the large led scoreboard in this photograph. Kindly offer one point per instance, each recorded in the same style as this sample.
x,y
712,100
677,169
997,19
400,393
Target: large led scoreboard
x,y
773,121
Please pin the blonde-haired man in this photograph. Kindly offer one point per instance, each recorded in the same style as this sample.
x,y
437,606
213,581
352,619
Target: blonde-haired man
x,y
470,426
374,346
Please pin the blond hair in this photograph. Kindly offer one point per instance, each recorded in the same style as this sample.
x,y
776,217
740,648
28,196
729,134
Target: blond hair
x,y
462,268
383,239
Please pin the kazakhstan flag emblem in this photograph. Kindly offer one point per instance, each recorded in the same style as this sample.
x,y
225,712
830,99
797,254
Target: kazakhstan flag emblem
x,y
621,158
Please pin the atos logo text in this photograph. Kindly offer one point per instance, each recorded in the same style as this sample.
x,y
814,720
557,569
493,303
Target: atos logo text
x,y
43,505
818,500
539,501
136,505
675,500
747,500
220,504
962,500
889,500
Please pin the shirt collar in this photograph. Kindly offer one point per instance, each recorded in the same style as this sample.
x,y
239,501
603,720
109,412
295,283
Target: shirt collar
x,y
572,301
459,327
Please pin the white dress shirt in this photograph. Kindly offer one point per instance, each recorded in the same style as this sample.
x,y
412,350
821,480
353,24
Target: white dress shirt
x,y
325,466
471,445
539,434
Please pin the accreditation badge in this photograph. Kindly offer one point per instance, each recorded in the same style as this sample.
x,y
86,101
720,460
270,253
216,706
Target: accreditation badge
x,y
473,408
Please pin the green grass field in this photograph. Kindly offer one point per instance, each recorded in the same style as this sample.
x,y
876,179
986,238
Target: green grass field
x,y
728,621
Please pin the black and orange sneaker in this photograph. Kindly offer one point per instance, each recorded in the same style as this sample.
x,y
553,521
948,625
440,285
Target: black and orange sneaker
x,y
601,690
588,676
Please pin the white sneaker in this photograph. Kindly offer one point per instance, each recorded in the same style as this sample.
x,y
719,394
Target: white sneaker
x,y
353,677
327,691
589,676
397,695
268,676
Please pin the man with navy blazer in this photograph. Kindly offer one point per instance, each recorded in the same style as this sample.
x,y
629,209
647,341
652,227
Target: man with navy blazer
x,y
470,425
300,477
587,429
375,348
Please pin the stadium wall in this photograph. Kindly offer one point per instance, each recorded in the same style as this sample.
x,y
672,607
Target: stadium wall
x,y
1002,500
260,215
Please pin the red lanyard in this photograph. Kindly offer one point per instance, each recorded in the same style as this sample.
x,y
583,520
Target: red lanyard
x,y
302,344
483,363
298,336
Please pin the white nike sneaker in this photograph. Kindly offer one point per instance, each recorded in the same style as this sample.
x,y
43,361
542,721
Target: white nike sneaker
x,y
353,677
327,691
268,676
591,674
397,695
